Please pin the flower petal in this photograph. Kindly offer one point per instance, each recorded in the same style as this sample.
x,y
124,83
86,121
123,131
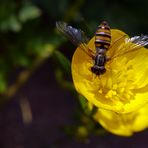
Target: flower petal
x,y
124,86
123,124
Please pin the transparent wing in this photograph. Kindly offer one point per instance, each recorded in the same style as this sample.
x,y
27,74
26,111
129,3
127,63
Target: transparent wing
x,y
76,36
139,41
130,45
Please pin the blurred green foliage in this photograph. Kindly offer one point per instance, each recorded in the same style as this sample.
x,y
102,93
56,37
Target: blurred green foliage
x,y
28,34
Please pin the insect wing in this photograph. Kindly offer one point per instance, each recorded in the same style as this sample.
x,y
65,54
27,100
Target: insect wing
x,y
130,45
76,36
139,41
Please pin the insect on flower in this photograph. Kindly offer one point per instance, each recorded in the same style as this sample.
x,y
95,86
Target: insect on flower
x,y
103,42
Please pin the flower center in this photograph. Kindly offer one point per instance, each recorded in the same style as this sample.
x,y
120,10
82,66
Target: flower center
x,y
115,90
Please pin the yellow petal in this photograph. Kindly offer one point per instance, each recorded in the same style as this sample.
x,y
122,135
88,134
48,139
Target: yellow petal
x,y
124,86
123,124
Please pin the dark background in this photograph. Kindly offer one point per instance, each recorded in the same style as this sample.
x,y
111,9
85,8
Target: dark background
x,y
37,98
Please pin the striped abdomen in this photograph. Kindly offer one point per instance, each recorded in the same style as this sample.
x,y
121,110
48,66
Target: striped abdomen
x,y
103,36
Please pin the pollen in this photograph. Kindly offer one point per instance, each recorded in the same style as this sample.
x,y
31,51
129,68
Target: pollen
x,y
115,90
111,94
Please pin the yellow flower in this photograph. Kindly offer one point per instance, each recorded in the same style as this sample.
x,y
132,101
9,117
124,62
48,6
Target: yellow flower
x,y
123,124
123,88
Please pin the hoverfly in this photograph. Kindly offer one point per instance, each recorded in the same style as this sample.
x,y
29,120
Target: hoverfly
x,y
102,43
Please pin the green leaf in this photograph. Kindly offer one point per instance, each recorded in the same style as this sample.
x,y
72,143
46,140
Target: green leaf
x,y
63,82
23,61
3,83
64,62
85,106
11,23
47,50
28,12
